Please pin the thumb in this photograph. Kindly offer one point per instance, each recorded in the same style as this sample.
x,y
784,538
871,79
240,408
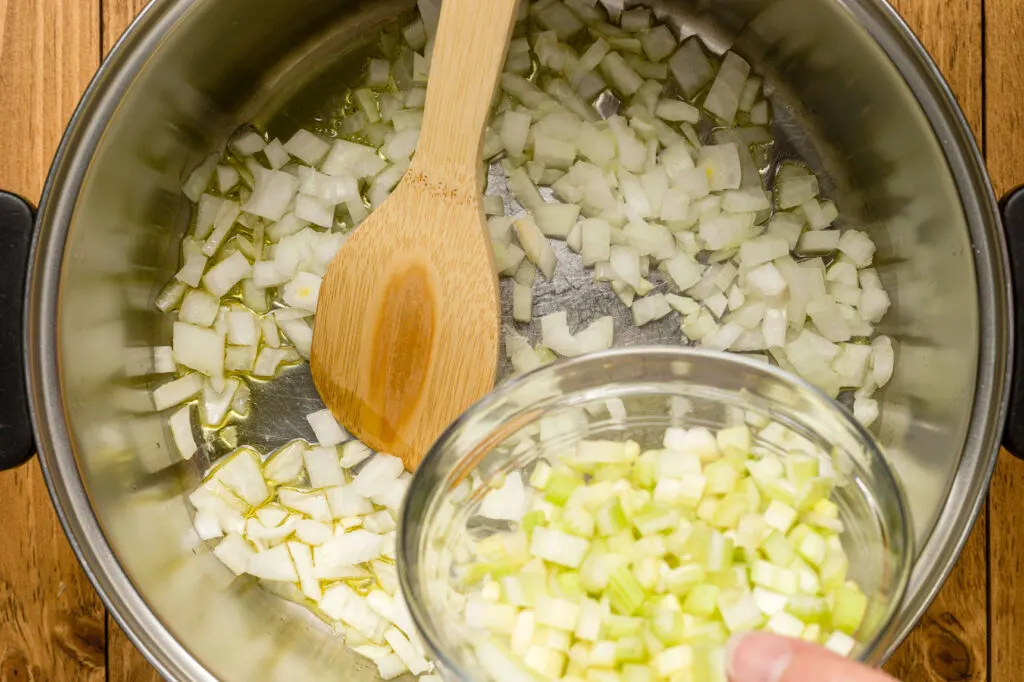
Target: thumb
x,y
762,657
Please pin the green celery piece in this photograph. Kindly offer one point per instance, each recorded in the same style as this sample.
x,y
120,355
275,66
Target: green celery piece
x,y
624,592
632,672
667,626
680,580
644,472
701,600
611,519
532,520
570,585
630,650
562,485
617,627
849,605
777,549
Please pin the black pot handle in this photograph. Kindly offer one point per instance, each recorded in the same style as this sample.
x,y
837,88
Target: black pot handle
x,y
17,219
1012,207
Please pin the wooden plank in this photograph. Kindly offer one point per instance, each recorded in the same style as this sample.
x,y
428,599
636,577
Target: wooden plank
x,y
124,662
51,622
1004,126
117,15
951,642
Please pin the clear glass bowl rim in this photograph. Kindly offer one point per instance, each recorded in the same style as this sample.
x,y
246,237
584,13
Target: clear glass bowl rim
x,y
408,543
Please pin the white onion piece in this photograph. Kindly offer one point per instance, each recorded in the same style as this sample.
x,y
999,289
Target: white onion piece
x,y
177,391
858,247
248,144
241,473
721,164
817,243
379,473
536,246
787,226
299,333
206,214
222,277
724,97
327,429
198,348
234,552
323,467
199,308
273,564
507,503
767,280
314,210
385,182
267,361
522,303
307,147
691,67
199,179
285,465
181,431
350,158
217,403
555,335
515,127
277,156
599,335
794,190
303,291
556,220
243,328
227,214
331,190
272,195
651,308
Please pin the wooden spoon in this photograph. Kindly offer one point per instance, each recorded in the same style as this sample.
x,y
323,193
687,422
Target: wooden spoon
x,y
408,319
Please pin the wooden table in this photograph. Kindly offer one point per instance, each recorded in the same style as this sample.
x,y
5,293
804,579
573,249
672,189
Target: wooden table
x,y
54,628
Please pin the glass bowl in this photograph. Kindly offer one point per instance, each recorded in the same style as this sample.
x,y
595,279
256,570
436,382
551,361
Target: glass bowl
x,y
538,413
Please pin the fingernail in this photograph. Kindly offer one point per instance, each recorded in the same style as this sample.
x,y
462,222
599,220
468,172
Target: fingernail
x,y
758,657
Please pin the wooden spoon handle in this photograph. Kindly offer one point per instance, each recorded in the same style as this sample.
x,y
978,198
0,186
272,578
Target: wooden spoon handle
x,y
469,54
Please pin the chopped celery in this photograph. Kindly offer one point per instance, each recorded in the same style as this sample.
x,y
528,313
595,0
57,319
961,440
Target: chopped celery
x,y
624,591
849,605
611,519
561,485
777,549
701,600
617,627
639,566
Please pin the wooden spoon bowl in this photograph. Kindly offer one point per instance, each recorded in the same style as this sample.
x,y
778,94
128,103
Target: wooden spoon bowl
x,y
408,320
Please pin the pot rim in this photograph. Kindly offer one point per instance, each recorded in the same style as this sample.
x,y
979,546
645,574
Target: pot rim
x,y
117,73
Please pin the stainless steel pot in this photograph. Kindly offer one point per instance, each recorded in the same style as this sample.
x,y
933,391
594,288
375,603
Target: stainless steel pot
x,y
855,95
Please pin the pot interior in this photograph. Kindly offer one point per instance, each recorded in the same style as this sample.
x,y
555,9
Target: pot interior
x,y
192,72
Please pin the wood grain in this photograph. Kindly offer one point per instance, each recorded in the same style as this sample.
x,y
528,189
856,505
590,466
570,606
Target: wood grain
x,y
951,642
124,662
410,321
51,622
117,16
1004,64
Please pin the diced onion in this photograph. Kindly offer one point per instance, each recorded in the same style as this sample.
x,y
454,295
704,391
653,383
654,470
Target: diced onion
x,y
660,207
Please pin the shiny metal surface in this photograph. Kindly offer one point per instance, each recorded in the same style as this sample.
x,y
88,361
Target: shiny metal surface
x,y
854,95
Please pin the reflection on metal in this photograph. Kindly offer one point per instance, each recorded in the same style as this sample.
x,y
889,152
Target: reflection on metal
x,y
864,107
